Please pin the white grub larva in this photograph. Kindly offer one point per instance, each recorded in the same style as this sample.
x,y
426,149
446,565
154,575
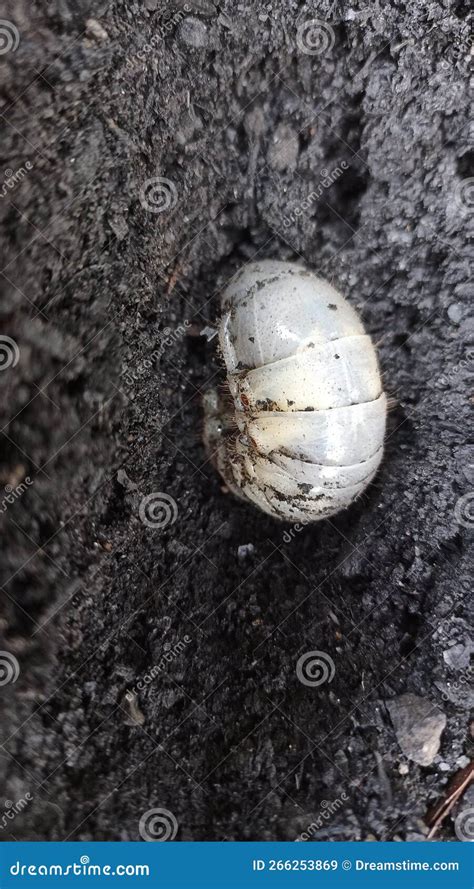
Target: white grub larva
x,y
302,434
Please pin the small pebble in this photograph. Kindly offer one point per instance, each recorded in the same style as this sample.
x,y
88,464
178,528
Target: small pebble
x,y
458,657
247,549
418,726
133,715
455,312
284,148
95,31
193,33
119,226
125,481
463,761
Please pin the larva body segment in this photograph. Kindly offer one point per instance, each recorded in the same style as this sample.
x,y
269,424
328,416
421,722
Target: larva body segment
x,y
306,434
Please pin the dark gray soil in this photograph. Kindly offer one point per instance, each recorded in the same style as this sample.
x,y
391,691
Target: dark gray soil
x,y
103,408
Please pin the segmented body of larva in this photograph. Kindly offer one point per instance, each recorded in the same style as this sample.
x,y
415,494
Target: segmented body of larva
x,y
304,435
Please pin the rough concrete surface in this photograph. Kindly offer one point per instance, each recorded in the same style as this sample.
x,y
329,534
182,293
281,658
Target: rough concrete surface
x,y
156,667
